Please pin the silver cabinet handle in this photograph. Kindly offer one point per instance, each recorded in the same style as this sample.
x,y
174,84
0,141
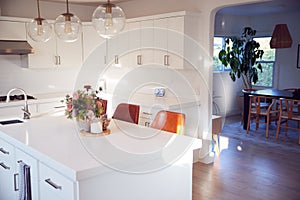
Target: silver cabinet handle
x,y
4,151
56,62
59,62
15,182
116,59
4,166
139,59
166,60
54,185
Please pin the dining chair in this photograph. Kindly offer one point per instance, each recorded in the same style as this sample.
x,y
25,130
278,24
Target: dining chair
x,y
257,109
289,110
127,112
169,121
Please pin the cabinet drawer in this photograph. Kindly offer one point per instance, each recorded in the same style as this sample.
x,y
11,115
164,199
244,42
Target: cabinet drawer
x,y
53,185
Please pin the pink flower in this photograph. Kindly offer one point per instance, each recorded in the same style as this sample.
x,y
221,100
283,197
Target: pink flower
x,y
75,95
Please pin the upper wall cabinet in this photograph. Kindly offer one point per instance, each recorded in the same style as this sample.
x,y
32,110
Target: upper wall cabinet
x,y
55,53
91,40
12,30
158,40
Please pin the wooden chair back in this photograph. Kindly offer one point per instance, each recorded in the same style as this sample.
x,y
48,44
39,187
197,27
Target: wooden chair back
x,y
127,112
169,121
262,106
289,110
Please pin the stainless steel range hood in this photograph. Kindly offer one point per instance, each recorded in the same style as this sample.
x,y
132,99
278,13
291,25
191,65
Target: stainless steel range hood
x,y
15,47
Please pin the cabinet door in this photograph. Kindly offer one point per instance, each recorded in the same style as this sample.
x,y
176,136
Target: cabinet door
x,y
12,30
160,41
91,40
53,185
147,41
24,158
69,53
176,42
169,40
7,169
44,55
134,40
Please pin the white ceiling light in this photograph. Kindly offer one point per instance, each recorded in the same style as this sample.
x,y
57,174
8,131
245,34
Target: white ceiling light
x,y
67,26
108,20
39,29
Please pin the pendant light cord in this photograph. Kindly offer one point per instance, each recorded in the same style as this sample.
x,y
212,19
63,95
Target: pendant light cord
x,y
67,6
38,8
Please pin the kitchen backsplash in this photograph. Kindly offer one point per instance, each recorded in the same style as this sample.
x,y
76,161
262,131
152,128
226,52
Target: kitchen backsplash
x,y
34,81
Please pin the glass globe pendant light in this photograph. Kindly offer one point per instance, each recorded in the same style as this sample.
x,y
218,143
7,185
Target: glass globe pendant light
x,y
67,26
108,20
39,29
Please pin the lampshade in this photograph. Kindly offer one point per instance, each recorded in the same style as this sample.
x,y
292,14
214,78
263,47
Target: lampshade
x,y
108,20
67,26
281,37
39,29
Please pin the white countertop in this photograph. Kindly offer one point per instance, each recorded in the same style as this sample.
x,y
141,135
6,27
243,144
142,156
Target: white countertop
x,y
54,140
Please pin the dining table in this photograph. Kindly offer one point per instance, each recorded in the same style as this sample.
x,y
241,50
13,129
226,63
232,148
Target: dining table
x,y
275,93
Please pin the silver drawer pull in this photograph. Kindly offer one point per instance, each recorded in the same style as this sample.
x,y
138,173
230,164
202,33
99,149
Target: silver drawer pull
x,y
15,182
4,151
139,59
57,187
146,113
4,166
166,60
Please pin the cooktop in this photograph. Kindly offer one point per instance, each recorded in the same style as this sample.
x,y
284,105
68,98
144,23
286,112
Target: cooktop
x,y
16,97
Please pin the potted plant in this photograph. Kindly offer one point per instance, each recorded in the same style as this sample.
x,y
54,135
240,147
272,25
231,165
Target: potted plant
x,y
241,55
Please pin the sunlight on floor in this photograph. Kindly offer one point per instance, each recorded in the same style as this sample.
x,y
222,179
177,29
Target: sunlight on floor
x,y
223,143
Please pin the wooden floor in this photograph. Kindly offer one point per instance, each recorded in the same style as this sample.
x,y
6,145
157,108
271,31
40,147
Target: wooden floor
x,y
244,171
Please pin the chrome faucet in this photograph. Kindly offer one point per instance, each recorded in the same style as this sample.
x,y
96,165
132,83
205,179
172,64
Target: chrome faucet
x,y
25,109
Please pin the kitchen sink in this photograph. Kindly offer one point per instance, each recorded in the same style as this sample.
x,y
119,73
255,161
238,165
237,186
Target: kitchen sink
x,y
11,121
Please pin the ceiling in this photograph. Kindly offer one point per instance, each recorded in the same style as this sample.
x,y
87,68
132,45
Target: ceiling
x,y
269,7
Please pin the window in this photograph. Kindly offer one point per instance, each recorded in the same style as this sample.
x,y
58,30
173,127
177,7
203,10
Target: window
x,y
265,79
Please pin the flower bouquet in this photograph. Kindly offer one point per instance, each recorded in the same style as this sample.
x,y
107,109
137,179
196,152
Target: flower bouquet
x,y
85,106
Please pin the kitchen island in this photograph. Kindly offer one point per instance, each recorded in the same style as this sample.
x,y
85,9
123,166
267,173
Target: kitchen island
x,y
133,162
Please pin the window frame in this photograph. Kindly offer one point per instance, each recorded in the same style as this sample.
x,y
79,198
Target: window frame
x,y
228,69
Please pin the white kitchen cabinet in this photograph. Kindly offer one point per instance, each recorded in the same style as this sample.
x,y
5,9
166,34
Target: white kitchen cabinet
x,y
54,185
151,42
7,171
55,53
33,164
91,40
169,44
69,54
44,55
12,30
10,159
